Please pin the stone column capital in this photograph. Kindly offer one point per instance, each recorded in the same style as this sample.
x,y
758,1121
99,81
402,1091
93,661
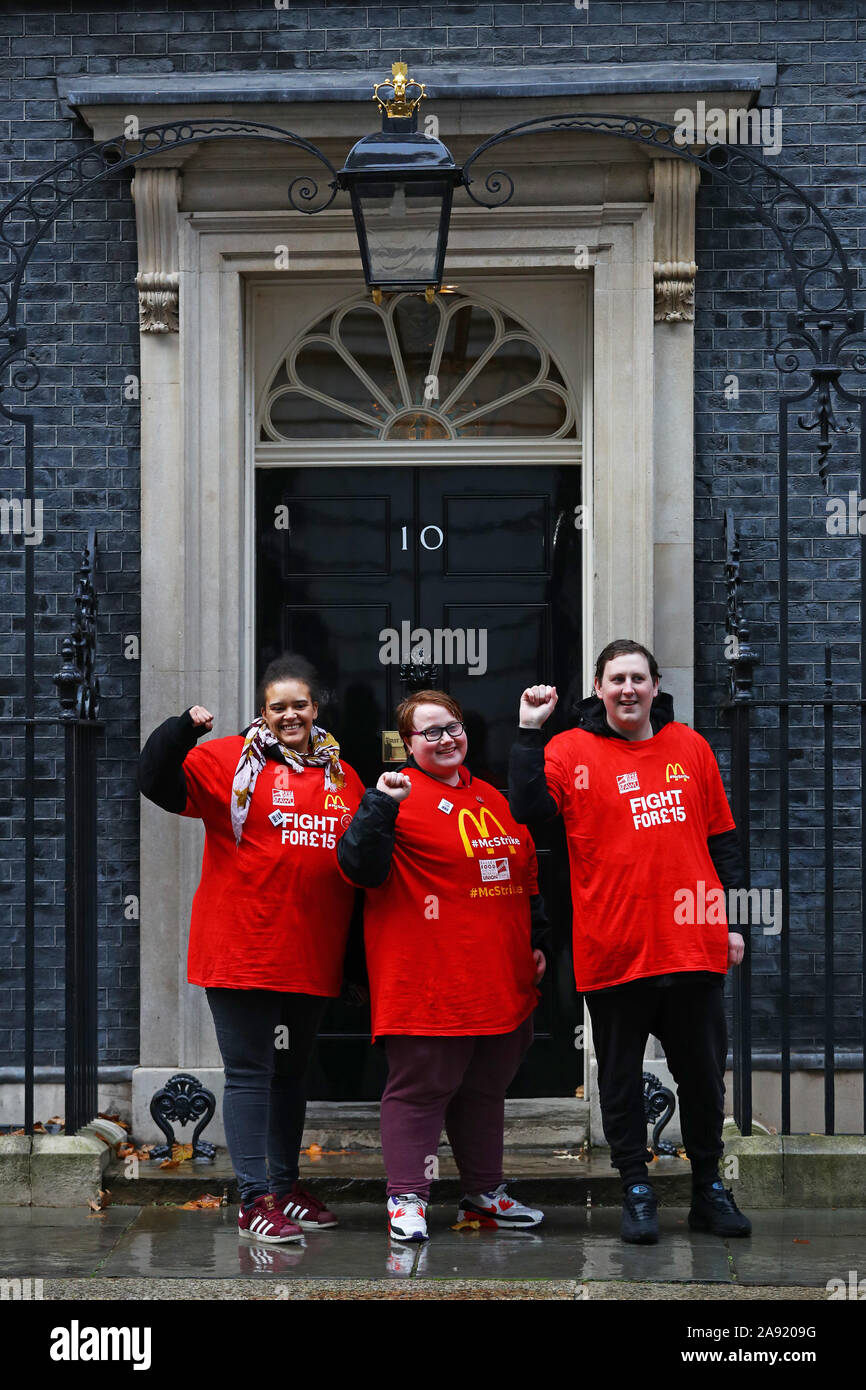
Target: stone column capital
x,y
156,193
674,183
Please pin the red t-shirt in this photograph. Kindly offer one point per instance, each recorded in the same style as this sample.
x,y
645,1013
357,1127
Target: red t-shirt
x,y
448,933
272,913
646,897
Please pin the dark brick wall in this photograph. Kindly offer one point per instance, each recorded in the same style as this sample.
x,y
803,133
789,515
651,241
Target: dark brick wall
x,y
80,310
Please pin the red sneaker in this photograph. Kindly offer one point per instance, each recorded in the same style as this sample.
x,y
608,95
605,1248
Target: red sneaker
x,y
309,1213
263,1221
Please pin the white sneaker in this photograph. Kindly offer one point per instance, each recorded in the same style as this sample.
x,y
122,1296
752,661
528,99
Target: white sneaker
x,y
498,1209
407,1217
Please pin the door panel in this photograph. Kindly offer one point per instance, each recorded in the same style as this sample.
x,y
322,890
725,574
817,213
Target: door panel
x,y
485,559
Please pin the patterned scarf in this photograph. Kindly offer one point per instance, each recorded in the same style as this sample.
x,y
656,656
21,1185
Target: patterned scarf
x,y
324,752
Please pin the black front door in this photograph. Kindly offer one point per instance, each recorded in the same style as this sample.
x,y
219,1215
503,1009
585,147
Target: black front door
x,y
479,568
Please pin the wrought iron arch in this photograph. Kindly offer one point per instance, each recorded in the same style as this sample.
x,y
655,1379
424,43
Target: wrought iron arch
x,y
721,159
821,330
66,181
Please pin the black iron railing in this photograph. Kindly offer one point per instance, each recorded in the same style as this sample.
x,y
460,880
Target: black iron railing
x,y
78,690
739,704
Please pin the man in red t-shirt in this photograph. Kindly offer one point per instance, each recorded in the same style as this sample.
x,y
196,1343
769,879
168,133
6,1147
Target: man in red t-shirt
x,y
652,850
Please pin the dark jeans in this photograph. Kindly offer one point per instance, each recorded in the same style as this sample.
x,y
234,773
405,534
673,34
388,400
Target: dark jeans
x,y
265,1039
689,1022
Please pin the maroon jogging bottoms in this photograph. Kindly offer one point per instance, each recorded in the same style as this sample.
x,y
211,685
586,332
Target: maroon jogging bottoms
x,y
458,1083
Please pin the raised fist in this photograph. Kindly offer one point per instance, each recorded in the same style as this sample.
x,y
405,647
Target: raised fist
x,y
537,704
394,784
201,718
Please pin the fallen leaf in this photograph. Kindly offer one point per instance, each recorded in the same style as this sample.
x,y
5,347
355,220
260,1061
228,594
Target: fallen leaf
x,y
314,1150
169,1163
181,1152
579,1093
124,1150
201,1203
467,1226
115,1118
798,1240
39,1128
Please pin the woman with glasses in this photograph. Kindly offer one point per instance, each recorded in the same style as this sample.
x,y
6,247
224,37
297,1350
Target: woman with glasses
x,y
451,899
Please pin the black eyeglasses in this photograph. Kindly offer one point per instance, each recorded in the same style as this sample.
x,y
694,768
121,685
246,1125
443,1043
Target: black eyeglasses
x,y
434,733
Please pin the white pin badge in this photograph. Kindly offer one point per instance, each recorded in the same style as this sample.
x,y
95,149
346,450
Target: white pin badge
x,y
446,806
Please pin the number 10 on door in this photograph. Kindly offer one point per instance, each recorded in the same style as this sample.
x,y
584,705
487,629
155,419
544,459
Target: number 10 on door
x,y
431,537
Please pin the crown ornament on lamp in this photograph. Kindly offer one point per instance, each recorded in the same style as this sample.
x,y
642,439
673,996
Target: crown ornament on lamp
x,y
401,184
400,105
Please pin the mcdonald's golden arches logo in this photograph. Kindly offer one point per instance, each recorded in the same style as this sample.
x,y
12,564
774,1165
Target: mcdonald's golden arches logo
x,y
335,802
481,822
674,773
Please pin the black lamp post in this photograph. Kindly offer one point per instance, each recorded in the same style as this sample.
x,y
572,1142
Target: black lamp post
x,y
401,185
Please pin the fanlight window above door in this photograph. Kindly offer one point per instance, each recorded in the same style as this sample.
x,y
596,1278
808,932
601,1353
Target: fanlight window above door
x,y
454,369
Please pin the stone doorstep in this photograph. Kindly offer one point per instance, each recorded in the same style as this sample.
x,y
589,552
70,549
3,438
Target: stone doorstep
x,y
529,1124
51,1170
360,1177
768,1171
765,1172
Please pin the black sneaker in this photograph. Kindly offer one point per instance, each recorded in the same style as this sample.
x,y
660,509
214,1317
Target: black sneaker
x,y
639,1222
714,1210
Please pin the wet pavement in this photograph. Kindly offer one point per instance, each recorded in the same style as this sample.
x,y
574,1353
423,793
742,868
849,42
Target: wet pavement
x,y
578,1251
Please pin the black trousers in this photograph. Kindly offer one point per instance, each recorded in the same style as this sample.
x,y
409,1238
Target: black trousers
x,y
265,1038
689,1021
